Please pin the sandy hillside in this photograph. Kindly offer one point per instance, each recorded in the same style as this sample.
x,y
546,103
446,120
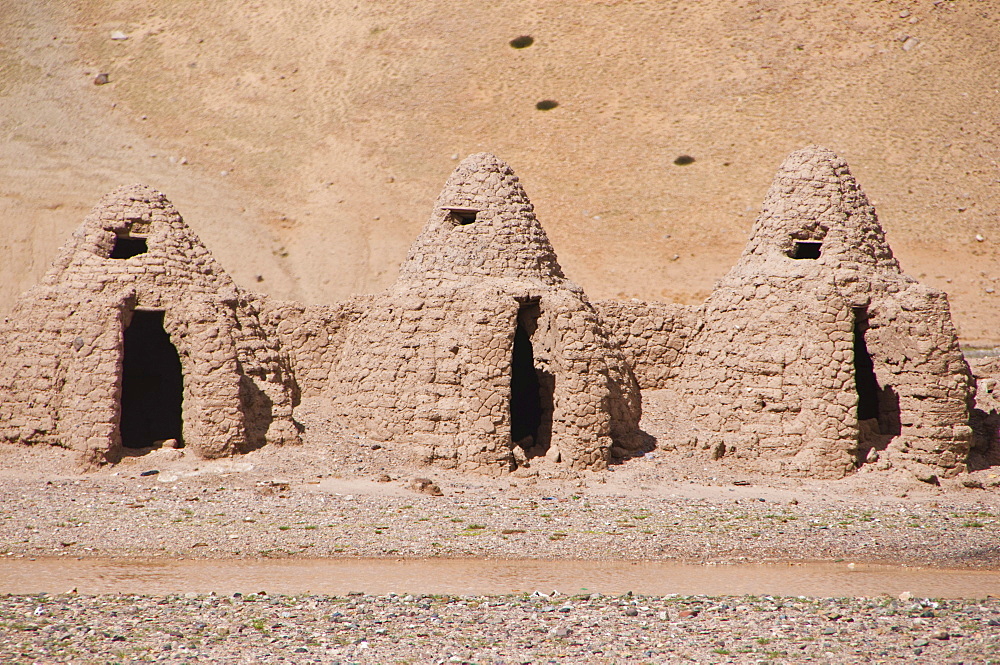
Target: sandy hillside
x,y
305,140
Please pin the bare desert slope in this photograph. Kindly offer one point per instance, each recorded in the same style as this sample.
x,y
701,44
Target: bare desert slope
x,y
305,140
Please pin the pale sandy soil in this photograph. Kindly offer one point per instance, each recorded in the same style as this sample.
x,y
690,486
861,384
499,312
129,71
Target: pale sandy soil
x,y
336,122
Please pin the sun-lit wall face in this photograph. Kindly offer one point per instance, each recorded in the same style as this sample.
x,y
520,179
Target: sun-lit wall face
x,y
134,257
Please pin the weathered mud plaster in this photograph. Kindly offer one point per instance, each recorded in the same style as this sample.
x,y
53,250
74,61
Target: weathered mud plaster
x,y
815,355
63,366
483,355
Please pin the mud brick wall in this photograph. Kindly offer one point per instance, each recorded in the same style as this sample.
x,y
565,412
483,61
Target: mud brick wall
x,y
430,361
652,336
817,354
311,336
237,392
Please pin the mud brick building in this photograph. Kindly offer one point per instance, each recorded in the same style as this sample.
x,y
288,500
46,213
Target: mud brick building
x,y
816,355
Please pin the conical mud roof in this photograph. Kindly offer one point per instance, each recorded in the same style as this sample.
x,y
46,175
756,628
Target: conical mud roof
x,y
816,210
134,234
482,225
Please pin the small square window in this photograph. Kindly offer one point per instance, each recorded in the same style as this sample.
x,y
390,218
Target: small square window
x,y
463,216
805,249
128,246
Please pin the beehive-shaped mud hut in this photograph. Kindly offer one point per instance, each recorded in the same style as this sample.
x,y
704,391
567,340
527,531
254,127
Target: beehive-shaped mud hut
x,y
816,354
483,355
136,336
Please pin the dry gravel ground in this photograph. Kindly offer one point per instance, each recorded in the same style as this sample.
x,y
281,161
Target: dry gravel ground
x,y
342,495
339,495
499,629
224,512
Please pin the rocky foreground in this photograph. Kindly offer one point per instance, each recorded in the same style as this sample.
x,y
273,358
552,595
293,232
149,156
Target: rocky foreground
x,y
258,628
232,514
345,497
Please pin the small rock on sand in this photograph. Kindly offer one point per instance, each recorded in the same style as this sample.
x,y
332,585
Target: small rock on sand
x,y
425,486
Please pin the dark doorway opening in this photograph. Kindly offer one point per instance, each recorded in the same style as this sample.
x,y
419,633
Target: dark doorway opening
x,y
864,368
152,383
126,247
531,389
878,407
525,393
804,249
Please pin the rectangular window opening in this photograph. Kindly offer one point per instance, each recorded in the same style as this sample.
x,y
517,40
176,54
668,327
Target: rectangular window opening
x,y
128,246
463,216
806,249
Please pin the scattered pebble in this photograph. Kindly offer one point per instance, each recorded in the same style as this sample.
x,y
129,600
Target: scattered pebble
x,y
365,629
